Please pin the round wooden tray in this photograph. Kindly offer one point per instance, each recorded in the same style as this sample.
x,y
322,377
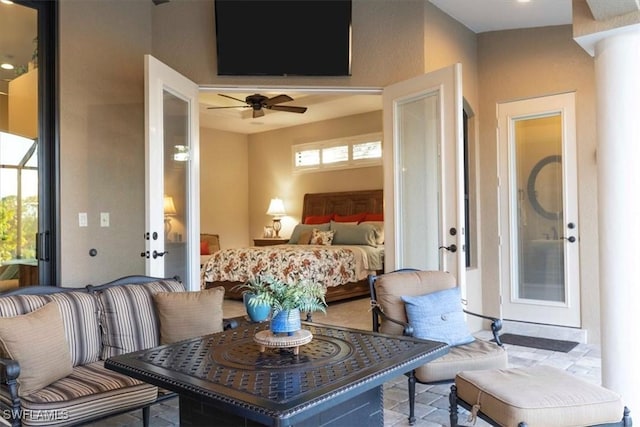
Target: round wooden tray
x,y
268,339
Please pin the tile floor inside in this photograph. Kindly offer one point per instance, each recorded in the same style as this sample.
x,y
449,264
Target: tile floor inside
x,y
432,404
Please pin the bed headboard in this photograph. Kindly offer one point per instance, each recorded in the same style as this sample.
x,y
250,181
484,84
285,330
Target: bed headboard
x,y
342,203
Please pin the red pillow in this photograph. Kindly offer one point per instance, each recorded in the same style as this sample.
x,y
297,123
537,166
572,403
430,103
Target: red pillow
x,y
318,219
350,218
374,217
204,248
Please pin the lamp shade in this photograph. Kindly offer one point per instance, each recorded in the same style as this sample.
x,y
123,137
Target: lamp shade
x,y
276,208
169,207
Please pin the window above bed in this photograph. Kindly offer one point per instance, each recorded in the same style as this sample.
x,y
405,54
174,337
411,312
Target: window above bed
x,y
343,153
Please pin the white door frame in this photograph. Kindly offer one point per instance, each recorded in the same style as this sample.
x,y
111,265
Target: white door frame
x,y
512,307
161,78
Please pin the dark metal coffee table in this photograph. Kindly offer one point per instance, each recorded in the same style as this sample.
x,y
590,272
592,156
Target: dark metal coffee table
x,y
224,380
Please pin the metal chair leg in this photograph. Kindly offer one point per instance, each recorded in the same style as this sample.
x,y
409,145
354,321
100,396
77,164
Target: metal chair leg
x,y
453,406
412,398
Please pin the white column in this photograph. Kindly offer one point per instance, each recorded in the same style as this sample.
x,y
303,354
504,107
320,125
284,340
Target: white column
x,y
617,71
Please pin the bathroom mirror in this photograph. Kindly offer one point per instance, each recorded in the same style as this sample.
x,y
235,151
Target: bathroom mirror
x,y
540,189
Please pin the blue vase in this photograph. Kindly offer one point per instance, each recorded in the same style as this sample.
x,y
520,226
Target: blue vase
x,y
286,321
257,313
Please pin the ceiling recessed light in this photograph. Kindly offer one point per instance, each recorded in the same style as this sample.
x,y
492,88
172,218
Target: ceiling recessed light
x,y
6,1
524,1
6,66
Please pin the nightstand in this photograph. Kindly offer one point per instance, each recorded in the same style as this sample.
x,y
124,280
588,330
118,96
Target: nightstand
x,y
264,241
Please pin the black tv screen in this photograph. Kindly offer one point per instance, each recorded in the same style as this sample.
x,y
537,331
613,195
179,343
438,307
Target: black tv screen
x,y
283,37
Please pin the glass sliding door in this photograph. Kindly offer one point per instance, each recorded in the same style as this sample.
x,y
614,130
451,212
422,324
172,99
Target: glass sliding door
x,y
27,143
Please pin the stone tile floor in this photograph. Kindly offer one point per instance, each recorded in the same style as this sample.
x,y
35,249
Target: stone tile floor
x,y
432,405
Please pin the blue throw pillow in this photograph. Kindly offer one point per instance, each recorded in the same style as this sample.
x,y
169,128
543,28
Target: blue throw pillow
x,y
438,316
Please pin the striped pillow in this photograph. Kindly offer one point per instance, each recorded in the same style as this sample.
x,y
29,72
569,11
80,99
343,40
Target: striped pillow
x,y
128,317
79,316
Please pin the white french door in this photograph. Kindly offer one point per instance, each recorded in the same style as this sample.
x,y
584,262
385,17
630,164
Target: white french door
x,y
172,184
538,198
423,173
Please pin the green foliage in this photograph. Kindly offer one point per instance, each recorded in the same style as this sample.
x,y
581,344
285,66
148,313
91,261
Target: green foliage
x,y
303,294
9,228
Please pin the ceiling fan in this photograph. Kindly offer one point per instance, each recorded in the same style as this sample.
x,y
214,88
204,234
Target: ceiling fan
x,y
257,102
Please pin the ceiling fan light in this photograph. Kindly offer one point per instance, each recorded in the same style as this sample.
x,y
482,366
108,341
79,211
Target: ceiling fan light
x,y
6,66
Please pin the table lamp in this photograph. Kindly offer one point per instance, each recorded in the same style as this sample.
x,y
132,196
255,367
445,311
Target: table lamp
x,y
169,211
276,210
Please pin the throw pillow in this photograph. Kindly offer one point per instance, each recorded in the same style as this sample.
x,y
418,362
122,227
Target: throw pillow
x,y
438,316
374,217
37,341
318,219
204,248
305,237
379,229
353,234
324,238
184,315
349,218
300,228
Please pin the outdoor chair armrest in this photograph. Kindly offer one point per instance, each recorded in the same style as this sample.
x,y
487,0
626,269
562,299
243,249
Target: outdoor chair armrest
x,y
496,325
407,329
229,324
9,373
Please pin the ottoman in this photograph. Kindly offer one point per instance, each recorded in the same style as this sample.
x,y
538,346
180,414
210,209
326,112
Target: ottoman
x,y
541,396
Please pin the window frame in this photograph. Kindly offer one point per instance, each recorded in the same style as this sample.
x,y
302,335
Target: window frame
x,y
349,141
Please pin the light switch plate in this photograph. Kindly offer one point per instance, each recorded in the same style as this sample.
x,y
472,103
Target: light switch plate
x,y
82,219
104,219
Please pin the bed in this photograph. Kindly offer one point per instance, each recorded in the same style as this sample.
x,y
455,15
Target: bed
x,y
353,219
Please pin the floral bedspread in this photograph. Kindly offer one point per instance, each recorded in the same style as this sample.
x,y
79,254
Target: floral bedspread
x,y
328,265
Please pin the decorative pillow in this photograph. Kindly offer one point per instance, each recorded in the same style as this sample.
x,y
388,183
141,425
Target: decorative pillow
x,y
438,316
374,217
305,237
350,218
184,315
79,311
379,229
352,234
321,237
128,318
299,228
318,219
36,340
204,248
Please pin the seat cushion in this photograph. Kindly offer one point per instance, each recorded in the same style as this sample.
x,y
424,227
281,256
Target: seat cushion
x,y
184,315
36,340
128,316
391,287
89,392
476,355
541,396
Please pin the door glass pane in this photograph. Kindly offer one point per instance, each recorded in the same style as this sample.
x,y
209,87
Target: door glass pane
x,y
419,180
176,164
539,181
18,145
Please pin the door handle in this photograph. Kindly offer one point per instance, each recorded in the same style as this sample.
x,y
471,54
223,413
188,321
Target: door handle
x,y
570,239
157,254
451,248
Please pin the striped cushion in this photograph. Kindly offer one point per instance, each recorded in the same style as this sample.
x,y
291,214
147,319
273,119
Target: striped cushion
x,y
79,315
128,317
89,392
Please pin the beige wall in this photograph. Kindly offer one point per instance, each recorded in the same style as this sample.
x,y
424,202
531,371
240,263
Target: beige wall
x,y
527,63
224,186
102,137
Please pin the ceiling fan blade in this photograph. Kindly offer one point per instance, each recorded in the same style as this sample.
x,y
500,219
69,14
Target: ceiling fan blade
x,y
258,113
237,106
279,99
288,108
231,97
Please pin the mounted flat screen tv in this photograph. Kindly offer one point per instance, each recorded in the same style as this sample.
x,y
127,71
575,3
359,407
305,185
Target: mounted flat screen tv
x,y
283,37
